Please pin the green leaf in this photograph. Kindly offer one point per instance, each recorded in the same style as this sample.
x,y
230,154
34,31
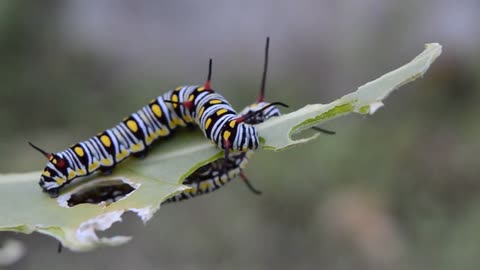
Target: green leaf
x,y
24,208
366,100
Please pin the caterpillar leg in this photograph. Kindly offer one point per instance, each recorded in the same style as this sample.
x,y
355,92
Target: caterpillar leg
x,y
107,170
226,147
141,155
249,185
53,193
59,247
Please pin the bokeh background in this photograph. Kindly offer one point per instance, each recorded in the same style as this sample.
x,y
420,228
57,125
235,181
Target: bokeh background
x,y
396,190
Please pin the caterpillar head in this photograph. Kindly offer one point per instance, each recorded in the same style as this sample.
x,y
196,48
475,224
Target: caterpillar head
x,y
259,112
246,136
240,134
54,175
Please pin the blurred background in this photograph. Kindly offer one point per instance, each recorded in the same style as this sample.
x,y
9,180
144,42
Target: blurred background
x,y
396,190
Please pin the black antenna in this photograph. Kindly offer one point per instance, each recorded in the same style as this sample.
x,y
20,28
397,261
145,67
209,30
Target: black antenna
x,y
209,77
264,75
248,116
47,155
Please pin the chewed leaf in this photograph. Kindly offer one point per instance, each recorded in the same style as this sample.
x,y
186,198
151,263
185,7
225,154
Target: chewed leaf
x,y
366,100
74,216
96,202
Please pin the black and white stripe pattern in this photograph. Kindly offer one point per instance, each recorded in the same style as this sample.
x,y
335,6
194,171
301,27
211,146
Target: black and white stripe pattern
x,y
216,174
207,109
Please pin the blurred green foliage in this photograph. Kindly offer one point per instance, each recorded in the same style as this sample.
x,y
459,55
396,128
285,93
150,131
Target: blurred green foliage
x,y
397,190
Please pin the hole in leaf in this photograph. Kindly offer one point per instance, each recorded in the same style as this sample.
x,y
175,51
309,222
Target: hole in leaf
x,y
101,193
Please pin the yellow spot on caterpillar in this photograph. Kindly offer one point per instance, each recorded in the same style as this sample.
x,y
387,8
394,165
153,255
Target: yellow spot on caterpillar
x,y
226,135
232,124
215,101
224,179
122,155
204,186
71,174
193,190
178,88
201,88
81,172
175,99
54,161
132,125
207,124
178,121
191,98
175,122
106,162
79,151
221,111
150,138
244,163
187,118
93,166
136,147
46,173
156,110
233,173
201,112
60,181
106,141
163,132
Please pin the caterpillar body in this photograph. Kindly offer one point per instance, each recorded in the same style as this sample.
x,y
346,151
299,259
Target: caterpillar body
x,y
183,106
216,174
108,148
214,115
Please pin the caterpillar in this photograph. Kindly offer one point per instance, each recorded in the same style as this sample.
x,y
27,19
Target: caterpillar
x,y
216,174
183,106
104,151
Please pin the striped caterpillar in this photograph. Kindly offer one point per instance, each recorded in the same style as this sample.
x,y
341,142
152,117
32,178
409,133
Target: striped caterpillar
x,y
184,106
216,174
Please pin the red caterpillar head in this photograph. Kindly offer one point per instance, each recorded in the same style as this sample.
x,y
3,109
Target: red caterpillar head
x,y
55,173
